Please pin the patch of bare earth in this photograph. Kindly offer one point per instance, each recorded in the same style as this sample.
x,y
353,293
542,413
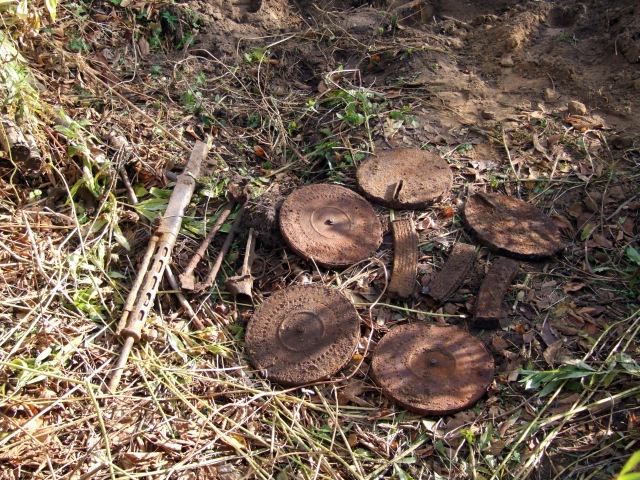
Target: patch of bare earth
x,y
535,100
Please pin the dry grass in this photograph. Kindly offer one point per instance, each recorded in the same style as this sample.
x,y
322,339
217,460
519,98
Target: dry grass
x,y
189,405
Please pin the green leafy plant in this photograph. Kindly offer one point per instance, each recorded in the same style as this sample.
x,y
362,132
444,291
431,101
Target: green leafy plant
x,y
78,45
627,472
192,98
360,106
565,37
169,17
464,147
578,374
257,55
633,255
151,208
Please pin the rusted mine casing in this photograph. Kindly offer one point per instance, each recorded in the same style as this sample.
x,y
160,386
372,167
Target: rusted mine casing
x,y
492,291
453,273
512,227
432,369
405,259
330,225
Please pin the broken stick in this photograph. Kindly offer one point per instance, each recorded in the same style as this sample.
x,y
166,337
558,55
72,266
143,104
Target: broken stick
x,y
156,259
21,147
211,278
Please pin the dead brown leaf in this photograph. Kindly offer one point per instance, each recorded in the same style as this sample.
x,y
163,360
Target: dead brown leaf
x,y
140,460
499,344
548,335
599,240
573,287
553,353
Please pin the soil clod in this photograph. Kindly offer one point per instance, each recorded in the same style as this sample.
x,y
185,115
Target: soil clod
x,y
492,291
576,108
405,259
330,225
302,334
404,178
452,274
432,369
512,227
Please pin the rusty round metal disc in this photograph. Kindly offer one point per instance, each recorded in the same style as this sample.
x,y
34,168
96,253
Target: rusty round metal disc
x,y
432,369
302,334
512,227
404,178
330,224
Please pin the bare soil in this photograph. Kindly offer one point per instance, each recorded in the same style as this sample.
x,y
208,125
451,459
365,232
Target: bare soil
x,y
538,100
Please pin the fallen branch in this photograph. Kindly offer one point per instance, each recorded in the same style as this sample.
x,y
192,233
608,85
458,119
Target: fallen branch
x,y
120,143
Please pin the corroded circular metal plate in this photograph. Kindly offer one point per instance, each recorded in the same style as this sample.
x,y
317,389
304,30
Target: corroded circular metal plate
x,y
512,227
302,334
432,369
404,178
330,224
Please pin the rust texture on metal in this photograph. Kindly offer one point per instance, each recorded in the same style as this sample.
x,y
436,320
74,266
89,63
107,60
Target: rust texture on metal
x,y
302,334
404,178
157,257
492,291
405,258
330,225
243,284
432,369
187,278
453,273
512,227
213,273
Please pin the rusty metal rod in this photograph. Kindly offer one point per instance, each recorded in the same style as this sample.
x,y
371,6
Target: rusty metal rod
x,y
159,252
187,279
223,253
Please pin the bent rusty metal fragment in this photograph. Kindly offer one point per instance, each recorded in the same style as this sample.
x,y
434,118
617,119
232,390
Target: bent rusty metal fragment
x,y
405,259
453,273
492,291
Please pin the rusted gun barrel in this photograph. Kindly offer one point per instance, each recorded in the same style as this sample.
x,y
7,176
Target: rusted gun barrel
x,y
155,261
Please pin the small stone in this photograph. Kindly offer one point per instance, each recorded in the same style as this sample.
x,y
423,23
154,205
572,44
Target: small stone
x,y
513,43
488,114
577,108
507,61
636,84
550,95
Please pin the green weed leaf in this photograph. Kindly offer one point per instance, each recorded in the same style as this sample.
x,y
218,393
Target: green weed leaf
x,y
120,238
633,255
51,8
628,363
626,472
